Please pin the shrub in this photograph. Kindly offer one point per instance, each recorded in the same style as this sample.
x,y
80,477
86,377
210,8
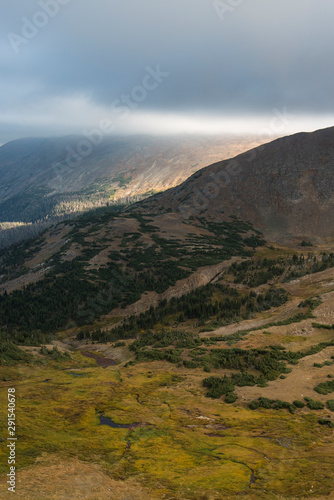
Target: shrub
x,y
330,404
218,386
271,404
253,405
243,379
306,244
231,397
191,364
314,405
325,421
10,354
325,387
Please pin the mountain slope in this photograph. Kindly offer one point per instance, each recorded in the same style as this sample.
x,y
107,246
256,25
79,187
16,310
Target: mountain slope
x,y
171,329
152,245
47,177
285,188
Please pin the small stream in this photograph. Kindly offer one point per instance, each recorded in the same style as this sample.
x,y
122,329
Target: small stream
x,y
252,479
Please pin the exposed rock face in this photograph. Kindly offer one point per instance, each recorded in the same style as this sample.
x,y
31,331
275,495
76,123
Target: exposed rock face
x,y
285,187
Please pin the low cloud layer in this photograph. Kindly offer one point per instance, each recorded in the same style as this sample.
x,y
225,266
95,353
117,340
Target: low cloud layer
x,y
165,67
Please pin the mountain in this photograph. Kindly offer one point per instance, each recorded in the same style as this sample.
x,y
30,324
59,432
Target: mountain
x,y
45,178
285,188
177,328
282,191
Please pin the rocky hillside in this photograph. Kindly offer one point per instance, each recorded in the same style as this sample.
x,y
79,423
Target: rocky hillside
x,y
285,188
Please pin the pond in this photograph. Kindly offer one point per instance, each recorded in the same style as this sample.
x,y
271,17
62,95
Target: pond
x,y
107,421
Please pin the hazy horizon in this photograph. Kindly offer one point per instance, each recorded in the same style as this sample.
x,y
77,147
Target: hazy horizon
x,y
165,68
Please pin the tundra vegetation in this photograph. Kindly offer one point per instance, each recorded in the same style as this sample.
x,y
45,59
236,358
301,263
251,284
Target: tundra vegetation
x,y
185,366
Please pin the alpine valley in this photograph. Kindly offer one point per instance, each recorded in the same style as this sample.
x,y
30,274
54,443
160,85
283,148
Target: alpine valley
x,y
180,347
47,180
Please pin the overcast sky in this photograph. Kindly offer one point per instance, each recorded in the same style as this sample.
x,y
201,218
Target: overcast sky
x,y
165,66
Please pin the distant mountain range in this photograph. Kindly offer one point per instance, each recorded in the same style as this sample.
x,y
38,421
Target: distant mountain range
x,y
284,188
45,178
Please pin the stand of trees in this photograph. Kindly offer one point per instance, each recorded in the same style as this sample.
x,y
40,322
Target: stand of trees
x,y
71,293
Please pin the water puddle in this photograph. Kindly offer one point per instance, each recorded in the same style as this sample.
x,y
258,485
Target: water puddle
x,y
107,421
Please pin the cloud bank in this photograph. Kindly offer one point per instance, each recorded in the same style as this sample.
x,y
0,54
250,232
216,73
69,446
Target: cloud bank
x,y
225,66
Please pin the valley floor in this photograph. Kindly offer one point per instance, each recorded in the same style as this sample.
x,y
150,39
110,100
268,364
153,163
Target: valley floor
x,y
184,445
165,439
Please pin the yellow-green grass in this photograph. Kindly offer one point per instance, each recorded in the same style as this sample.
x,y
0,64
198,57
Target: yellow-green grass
x,y
177,453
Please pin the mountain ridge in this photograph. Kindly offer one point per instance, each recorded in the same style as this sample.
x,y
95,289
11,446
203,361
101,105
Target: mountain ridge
x,y
284,187
44,177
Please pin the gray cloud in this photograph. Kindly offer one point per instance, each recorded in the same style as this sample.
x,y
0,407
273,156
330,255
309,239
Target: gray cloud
x,y
262,55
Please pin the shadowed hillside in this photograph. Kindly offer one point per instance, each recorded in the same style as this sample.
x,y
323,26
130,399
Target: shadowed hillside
x,y
285,188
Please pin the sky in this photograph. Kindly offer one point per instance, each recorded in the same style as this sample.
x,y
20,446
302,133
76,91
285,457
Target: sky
x,y
165,67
